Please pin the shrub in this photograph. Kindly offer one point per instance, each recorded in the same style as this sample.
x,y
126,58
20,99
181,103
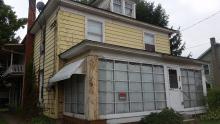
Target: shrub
x,y
166,116
42,120
213,100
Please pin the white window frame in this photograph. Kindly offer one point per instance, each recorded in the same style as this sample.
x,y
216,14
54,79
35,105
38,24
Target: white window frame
x,y
96,19
123,8
154,92
76,115
149,33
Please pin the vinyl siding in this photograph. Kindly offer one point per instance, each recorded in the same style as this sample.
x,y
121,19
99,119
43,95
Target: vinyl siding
x,y
71,30
162,43
47,64
49,69
123,35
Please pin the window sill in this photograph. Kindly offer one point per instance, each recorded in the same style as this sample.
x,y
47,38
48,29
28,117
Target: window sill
x,y
124,115
79,116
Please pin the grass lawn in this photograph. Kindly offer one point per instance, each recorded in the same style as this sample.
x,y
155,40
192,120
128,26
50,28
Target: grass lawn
x,y
210,122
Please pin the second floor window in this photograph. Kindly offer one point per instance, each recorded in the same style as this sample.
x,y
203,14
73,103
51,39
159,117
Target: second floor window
x,y
95,31
117,6
149,41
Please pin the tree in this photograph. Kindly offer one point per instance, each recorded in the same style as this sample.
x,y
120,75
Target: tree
x,y
176,45
148,12
156,15
9,24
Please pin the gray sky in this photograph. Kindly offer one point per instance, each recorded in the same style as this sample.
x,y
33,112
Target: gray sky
x,y
182,13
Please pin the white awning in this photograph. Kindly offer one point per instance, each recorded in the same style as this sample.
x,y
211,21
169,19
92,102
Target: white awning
x,y
67,71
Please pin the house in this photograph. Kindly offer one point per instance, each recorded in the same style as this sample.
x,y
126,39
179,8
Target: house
x,y
98,64
212,69
11,74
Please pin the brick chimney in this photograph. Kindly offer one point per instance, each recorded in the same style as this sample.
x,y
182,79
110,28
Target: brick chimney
x,y
215,64
28,50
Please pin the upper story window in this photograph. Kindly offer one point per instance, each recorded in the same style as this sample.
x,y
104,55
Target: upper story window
x,y
124,7
206,69
95,31
117,6
128,9
149,40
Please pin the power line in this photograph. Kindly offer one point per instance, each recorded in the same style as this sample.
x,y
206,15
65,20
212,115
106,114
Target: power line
x,y
202,44
205,19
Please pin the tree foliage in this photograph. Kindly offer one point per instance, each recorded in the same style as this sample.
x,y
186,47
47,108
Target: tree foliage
x,y
9,24
151,13
156,15
176,45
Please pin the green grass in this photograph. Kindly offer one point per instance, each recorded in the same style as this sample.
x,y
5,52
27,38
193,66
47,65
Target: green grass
x,y
210,122
2,121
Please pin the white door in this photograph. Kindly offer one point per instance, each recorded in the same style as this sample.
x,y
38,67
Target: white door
x,y
175,93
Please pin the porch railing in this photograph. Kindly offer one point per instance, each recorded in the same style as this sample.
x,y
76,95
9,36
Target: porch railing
x,y
15,70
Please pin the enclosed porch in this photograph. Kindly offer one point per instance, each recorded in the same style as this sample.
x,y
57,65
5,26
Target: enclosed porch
x,y
115,84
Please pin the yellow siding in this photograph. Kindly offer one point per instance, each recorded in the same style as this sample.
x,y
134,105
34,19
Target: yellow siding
x,y
36,52
47,64
162,43
71,30
122,35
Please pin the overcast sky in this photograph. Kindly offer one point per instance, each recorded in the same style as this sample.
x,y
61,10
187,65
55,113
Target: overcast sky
x,y
182,13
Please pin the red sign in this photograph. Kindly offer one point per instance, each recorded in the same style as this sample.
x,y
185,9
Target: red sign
x,y
122,96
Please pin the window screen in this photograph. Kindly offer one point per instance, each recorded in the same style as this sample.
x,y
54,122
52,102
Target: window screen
x,y
74,95
95,32
192,88
130,87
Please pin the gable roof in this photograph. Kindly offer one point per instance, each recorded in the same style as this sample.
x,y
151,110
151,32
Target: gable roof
x,y
207,51
53,4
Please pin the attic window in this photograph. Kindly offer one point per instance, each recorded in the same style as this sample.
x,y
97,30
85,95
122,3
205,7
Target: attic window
x,y
117,6
124,7
128,9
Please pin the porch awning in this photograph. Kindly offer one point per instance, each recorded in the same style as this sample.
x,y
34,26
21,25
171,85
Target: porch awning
x,y
67,71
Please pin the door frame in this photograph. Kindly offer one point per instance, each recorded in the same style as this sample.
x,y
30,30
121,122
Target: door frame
x,y
168,89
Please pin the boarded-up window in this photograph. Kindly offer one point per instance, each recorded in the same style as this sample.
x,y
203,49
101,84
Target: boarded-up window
x,y
192,88
130,87
74,95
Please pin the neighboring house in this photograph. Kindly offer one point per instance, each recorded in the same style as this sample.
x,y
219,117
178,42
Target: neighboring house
x,y
99,64
212,70
11,74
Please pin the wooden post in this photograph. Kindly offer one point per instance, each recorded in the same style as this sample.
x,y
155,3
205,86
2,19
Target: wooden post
x,y
91,88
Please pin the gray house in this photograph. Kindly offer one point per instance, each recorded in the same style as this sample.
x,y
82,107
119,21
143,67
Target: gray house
x,y
212,70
